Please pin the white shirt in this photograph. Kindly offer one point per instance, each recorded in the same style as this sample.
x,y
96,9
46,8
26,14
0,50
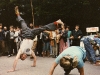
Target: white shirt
x,y
53,34
12,35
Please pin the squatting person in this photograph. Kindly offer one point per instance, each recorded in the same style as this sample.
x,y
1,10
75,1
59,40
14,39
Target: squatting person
x,y
70,58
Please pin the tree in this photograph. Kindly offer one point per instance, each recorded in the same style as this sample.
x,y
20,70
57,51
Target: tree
x,y
72,12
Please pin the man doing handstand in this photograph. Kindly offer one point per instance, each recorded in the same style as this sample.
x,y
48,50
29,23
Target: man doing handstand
x,y
28,36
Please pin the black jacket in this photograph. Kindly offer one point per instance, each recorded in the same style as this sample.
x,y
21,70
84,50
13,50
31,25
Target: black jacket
x,y
76,34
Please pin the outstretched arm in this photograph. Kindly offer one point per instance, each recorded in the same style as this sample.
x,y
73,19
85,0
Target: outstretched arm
x,y
81,71
34,61
15,62
52,68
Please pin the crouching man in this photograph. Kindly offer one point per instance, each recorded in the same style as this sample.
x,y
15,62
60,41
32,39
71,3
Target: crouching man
x,y
70,58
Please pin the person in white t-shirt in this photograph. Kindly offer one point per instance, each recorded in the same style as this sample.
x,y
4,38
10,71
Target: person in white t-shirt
x,y
28,35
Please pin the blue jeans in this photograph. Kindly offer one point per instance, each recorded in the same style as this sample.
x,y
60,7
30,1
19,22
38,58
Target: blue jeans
x,y
31,33
97,40
89,50
46,46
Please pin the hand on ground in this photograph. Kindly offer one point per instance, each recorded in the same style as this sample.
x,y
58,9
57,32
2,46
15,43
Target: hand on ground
x,y
33,65
12,70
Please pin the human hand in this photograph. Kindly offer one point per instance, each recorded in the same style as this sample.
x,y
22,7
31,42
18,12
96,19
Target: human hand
x,y
14,40
79,37
34,65
12,70
46,37
71,37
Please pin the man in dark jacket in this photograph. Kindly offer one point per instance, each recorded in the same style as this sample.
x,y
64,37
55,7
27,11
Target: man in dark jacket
x,y
76,36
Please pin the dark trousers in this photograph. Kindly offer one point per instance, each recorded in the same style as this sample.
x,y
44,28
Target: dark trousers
x,y
2,46
6,48
76,42
40,46
58,49
89,50
11,46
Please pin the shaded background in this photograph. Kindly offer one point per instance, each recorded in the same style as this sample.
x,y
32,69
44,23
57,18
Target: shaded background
x,y
86,13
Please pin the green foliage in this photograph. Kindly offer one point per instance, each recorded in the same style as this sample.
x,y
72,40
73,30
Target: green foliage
x,y
13,1
45,11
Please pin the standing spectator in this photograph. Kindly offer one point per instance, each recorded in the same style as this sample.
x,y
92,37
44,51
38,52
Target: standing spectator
x,y
63,39
76,36
46,43
17,37
53,43
10,41
40,44
69,33
2,45
5,31
57,40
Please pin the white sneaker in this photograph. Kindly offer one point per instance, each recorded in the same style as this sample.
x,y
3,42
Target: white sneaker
x,y
9,55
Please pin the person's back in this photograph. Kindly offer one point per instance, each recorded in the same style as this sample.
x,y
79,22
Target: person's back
x,y
73,51
70,58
